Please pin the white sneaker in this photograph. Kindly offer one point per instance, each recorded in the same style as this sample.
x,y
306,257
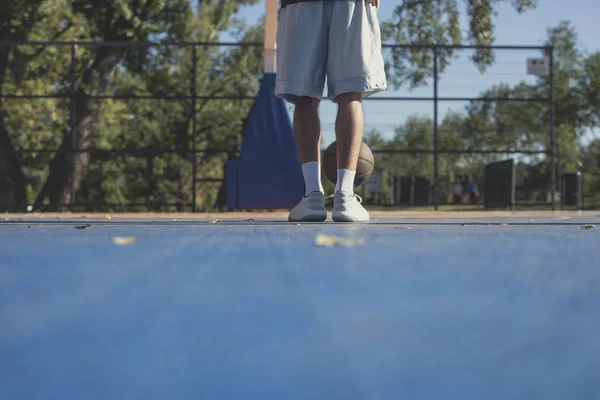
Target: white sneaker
x,y
310,209
347,208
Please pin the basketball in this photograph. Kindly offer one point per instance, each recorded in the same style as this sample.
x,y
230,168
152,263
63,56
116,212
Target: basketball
x,y
364,168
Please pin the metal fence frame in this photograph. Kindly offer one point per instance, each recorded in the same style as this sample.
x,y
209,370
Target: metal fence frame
x,y
194,97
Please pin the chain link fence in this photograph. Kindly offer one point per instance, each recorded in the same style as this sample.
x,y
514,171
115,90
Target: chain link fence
x,y
127,126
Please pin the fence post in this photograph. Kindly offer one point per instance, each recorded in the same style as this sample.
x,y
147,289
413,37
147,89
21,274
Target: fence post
x,y
73,124
553,149
581,193
435,128
194,127
560,168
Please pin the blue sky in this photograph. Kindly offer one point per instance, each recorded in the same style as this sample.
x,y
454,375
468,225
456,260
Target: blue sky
x,y
462,79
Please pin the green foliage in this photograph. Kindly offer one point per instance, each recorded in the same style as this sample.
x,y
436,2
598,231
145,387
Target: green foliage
x,y
513,125
588,83
114,176
167,124
146,175
438,22
590,158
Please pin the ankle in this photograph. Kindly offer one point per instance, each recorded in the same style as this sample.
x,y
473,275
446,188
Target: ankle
x,y
312,177
345,181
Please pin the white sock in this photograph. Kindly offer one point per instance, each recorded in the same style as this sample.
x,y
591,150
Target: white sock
x,y
345,181
312,177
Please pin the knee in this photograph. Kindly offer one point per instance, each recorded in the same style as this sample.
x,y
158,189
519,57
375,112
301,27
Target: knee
x,y
308,103
348,98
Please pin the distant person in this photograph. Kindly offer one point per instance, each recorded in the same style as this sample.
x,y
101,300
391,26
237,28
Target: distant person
x,y
457,190
473,190
340,41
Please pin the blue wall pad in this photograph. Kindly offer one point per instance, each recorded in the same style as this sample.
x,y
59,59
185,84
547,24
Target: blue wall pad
x,y
267,174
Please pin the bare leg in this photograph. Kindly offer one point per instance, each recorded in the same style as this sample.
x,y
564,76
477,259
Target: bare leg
x,y
307,129
349,127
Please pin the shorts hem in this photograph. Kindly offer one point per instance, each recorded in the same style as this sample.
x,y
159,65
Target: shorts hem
x,y
367,85
290,91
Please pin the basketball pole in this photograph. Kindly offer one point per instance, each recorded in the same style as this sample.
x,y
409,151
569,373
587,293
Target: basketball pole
x,y
270,44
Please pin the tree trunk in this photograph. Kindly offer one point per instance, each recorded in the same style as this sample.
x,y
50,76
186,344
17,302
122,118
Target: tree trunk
x,y
67,169
12,180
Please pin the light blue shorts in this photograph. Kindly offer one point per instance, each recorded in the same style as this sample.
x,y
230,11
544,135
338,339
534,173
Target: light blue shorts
x,y
340,40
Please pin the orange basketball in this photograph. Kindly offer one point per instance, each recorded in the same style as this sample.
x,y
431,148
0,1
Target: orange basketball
x,y
364,168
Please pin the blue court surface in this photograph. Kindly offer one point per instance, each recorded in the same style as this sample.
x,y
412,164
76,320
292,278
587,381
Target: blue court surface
x,y
477,308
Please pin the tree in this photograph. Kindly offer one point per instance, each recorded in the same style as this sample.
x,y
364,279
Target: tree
x,y
111,21
415,139
590,158
18,21
149,176
526,125
438,22
152,125
133,70
588,82
517,125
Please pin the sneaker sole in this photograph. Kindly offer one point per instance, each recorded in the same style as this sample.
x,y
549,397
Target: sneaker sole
x,y
346,218
309,218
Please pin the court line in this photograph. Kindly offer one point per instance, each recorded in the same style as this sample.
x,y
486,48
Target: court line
x,y
286,223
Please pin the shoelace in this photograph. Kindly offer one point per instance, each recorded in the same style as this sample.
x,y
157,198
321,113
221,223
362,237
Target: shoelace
x,y
359,199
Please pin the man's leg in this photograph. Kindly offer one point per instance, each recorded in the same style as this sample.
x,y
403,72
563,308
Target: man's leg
x,y
302,42
307,131
355,70
349,127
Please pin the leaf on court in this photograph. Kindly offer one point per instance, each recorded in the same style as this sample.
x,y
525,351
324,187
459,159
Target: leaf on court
x,y
123,241
331,241
106,216
6,218
587,227
249,219
82,226
175,220
214,221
